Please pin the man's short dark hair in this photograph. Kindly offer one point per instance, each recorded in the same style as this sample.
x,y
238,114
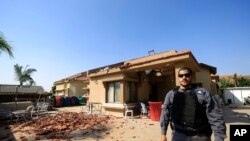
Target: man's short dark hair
x,y
185,68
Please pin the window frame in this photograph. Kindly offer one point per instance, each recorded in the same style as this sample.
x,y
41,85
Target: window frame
x,y
116,93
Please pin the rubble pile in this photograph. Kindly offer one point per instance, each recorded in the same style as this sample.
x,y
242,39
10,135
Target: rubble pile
x,y
65,122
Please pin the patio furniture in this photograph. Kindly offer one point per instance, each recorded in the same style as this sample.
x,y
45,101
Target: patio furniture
x,y
92,108
40,108
144,109
19,114
86,108
22,114
127,111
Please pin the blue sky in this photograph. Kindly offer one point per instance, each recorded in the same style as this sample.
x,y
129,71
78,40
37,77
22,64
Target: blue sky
x,y
64,37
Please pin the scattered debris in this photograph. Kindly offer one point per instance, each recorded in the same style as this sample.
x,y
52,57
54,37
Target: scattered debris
x,y
61,124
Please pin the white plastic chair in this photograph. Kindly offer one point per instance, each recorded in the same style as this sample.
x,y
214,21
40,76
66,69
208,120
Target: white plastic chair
x,y
144,109
30,110
19,114
41,108
86,108
22,114
127,111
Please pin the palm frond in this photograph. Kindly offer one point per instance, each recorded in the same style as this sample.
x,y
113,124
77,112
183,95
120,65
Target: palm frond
x,y
32,82
24,76
18,71
5,47
29,71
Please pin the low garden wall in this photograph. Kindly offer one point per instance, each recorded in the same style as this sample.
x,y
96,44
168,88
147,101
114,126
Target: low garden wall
x,y
236,95
11,106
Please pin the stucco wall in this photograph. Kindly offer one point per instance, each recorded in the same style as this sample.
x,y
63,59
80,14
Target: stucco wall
x,y
97,91
143,90
214,87
21,105
165,86
204,77
76,88
236,95
71,88
60,87
85,88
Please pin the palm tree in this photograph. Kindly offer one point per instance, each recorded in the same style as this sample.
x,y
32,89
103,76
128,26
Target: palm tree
x,y
4,46
23,76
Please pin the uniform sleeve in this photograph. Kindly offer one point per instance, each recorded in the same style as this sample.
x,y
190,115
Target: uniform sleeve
x,y
215,117
164,119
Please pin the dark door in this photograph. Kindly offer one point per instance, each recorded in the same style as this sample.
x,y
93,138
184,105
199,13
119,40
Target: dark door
x,y
153,93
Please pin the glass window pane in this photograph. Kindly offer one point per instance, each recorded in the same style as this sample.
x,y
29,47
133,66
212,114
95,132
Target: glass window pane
x,y
117,91
110,92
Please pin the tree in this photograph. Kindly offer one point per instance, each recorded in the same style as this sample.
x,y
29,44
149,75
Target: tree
x,y
243,82
224,83
4,46
23,76
53,89
237,82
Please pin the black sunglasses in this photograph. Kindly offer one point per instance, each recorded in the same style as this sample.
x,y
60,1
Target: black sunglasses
x,y
186,75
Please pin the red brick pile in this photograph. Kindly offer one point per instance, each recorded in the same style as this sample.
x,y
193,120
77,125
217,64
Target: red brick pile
x,y
65,122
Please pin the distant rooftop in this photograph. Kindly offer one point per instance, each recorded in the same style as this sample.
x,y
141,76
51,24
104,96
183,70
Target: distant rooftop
x,y
24,89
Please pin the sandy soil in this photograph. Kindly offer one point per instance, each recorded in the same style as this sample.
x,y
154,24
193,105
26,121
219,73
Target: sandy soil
x,y
118,129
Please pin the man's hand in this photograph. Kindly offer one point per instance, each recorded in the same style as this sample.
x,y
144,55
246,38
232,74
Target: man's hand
x,y
163,138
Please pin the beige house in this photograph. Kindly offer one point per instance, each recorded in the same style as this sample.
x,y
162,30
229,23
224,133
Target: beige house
x,y
72,86
144,79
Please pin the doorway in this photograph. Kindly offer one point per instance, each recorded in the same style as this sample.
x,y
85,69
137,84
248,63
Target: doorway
x,y
153,92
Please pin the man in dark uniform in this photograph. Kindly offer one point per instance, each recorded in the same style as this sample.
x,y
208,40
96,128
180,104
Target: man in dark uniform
x,y
192,112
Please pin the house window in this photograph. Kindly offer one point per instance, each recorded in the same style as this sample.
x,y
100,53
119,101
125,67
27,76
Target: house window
x,y
113,92
131,92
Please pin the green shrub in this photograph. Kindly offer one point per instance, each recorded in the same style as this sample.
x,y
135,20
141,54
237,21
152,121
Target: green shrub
x,y
240,82
243,82
225,83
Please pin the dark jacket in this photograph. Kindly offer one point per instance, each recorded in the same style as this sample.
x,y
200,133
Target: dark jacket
x,y
213,112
